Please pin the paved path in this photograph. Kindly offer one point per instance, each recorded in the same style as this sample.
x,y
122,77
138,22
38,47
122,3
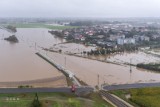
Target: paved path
x,y
130,86
34,90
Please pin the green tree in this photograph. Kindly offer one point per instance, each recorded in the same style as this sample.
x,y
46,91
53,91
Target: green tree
x,y
36,102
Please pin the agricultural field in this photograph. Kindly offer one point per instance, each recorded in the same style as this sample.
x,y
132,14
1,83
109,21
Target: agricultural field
x,y
144,97
52,100
41,25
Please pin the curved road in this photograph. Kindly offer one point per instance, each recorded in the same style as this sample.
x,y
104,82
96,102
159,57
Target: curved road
x,y
130,86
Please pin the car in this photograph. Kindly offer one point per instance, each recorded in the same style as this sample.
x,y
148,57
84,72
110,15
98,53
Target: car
x,y
73,88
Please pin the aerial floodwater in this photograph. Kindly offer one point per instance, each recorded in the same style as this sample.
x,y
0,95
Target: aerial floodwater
x,y
18,61
88,71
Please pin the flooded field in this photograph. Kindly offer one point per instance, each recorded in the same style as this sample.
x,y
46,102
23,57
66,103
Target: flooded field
x,y
133,58
88,71
72,48
18,61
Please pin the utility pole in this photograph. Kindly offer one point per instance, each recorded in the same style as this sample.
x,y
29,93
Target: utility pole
x,y
105,55
130,66
98,80
130,69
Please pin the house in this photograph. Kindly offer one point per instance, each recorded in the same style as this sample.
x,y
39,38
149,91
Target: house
x,y
154,37
66,33
122,41
78,36
100,36
141,38
115,37
144,38
129,41
83,38
137,38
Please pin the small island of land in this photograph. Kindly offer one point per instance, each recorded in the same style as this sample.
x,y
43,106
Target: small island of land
x,y
12,38
11,28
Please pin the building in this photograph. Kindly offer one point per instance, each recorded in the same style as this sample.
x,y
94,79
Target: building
x,y
122,41
141,38
116,37
144,38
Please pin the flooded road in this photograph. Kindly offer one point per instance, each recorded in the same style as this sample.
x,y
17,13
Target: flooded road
x,y
18,62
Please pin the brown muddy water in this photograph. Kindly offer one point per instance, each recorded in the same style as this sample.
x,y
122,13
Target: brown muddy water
x,y
18,62
127,58
88,71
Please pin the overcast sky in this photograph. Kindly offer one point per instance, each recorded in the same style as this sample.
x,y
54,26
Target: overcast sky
x,y
79,8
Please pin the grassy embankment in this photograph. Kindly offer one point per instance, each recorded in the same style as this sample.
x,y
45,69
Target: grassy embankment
x,y
52,100
145,97
41,25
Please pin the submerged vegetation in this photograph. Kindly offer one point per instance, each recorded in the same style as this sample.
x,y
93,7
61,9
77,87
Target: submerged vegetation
x,y
11,28
150,66
12,38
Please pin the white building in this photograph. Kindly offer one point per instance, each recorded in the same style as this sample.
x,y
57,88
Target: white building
x,y
144,38
122,41
116,37
141,38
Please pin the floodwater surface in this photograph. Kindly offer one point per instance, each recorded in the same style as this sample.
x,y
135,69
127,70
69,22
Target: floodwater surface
x,y
88,71
18,61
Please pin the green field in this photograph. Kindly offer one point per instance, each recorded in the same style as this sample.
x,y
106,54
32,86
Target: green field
x,y
145,97
41,25
52,100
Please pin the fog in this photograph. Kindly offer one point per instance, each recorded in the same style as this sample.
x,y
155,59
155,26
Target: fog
x,y
79,8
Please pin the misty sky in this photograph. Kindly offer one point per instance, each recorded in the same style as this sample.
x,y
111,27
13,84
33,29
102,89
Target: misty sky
x,y
79,8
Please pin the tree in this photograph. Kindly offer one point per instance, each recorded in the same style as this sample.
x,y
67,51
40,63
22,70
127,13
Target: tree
x,y
36,102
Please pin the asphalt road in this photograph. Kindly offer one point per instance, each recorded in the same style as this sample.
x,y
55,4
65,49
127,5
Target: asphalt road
x,y
130,86
114,100
34,90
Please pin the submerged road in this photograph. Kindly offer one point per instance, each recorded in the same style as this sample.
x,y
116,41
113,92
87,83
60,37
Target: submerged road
x,y
34,90
130,86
